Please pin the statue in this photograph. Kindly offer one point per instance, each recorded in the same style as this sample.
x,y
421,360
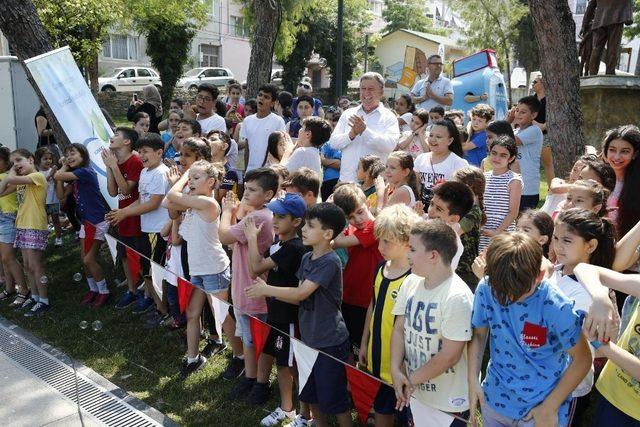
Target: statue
x,y
603,22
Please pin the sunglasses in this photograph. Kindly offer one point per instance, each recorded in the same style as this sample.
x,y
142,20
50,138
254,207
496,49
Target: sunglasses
x,y
304,85
535,82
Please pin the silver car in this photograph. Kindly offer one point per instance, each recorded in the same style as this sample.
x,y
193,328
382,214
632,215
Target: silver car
x,y
129,79
213,75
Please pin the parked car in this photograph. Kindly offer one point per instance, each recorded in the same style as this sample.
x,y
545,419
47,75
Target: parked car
x,y
129,79
214,75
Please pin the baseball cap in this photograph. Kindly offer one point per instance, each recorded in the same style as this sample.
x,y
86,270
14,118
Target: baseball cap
x,y
289,204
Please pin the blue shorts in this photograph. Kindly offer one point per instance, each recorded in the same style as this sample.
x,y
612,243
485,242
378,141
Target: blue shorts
x,y
327,384
213,283
385,401
243,330
7,228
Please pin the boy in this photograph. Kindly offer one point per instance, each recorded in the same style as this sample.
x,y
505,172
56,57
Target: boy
x,y
256,128
313,133
186,129
475,149
206,105
436,114
538,354
432,326
152,187
529,139
322,327
392,230
281,261
123,174
364,257
260,186
305,182
220,146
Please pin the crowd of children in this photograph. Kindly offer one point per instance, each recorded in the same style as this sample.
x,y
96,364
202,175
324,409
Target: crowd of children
x,y
404,274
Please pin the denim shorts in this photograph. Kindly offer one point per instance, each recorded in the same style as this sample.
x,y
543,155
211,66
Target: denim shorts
x,y
7,228
213,283
243,328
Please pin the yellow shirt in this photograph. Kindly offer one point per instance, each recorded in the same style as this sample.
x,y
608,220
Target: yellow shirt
x,y
615,384
31,203
8,203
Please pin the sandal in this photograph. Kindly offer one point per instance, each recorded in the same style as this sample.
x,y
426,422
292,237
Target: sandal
x,y
20,299
4,294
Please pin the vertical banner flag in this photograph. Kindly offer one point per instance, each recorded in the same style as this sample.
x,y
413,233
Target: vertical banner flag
x,y
71,101
415,64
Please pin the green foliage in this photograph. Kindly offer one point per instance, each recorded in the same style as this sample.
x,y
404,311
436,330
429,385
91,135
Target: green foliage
x,y
406,14
525,46
634,30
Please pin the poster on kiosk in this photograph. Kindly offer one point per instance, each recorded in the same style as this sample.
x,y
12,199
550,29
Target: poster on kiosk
x,y
67,94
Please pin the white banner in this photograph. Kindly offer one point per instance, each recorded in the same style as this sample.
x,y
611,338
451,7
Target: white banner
x,y
77,111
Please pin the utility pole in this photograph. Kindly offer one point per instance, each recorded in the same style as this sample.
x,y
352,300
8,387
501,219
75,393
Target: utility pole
x,y
338,70
366,52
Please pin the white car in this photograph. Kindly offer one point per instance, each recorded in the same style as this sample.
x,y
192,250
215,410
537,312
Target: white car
x,y
213,75
129,79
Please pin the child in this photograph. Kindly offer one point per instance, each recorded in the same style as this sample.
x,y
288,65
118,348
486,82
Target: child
x,y
305,110
402,184
314,132
330,158
475,149
304,182
538,354
433,349
392,230
588,195
442,161
559,187
414,141
187,128
278,143
494,130
502,191
260,186
220,146
45,161
31,225
235,109
436,114
123,175
141,123
173,270
539,226
599,171
281,261
404,108
370,168
364,256
208,262
319,295
172,144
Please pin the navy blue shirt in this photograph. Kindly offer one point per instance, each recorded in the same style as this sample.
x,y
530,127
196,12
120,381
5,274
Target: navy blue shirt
x,y
91,205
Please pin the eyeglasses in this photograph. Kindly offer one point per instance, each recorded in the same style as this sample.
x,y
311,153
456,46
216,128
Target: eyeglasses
x,y
304,85
204,98
440,64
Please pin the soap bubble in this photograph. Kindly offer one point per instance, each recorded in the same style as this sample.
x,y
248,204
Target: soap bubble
x,y
96,325
84,324
77,277
44,280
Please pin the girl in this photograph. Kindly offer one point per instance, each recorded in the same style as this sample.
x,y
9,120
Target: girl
x,y
278,143
369,169
92,209
559,188
401,181
405,109
14,276
150,104
45,161
502,192
588,195
596,169
494,130
172,144
444,158
141,123
415,140
31,225
538,225
305,109
208,262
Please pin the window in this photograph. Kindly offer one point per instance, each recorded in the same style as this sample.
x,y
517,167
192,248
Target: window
x,y
127,74
375,6
209,55
119,46
581,6
143,72
239,27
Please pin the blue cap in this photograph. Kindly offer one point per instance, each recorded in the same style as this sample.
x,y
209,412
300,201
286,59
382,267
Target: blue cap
x,y
289,204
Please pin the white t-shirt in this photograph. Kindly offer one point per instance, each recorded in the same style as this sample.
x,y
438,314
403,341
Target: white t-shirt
x,y
430,174
256,131
429,316
215,122
52,198
173,265
406,127
307,157
153,182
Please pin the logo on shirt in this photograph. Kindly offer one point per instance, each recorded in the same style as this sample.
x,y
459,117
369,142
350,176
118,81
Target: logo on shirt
x,y
394,294
533,335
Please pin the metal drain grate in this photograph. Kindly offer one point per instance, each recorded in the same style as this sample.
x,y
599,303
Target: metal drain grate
x,y
95,400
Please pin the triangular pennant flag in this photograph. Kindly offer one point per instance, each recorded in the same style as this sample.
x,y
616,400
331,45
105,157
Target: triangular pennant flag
x,y
184,294
220,312
89,235
364,389
133,259
426,416
305,359
113,247
157,275
259,334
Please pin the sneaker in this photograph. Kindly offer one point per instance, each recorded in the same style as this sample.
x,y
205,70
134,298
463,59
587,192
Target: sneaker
x,y
277,416
156,320
58,242
142,305
235,368
88,298
37,310
6,295
212,348
101,300
27,304
241,388
126,300
190,368
20,299
259,394
299,421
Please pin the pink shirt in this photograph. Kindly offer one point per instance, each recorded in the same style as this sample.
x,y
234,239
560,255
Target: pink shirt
x,y
240,277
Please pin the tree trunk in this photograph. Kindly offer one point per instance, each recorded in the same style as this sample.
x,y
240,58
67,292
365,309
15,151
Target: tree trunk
x,y
20,24
265,31
555,32
92,73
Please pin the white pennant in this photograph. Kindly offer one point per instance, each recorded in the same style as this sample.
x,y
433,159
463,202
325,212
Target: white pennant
x,y
157,275
220,312
426,416
111,242
305,359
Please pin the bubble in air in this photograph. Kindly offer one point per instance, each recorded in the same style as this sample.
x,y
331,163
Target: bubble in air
x,y
84,324
97,325
77,277
44,280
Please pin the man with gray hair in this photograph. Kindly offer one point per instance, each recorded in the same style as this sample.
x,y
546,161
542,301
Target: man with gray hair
x,y
369,128
435,90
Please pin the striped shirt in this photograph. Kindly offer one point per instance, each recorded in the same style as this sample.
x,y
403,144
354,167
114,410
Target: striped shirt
x,y
496,202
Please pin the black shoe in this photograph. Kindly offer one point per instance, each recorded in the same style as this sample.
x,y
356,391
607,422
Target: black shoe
x,y
190,368
212,348
259,394
242,388
235,368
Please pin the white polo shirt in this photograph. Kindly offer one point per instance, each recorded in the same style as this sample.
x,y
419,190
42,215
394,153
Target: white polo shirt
x,y
440,86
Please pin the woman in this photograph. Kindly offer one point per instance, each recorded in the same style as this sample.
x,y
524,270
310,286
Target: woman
x,y
150,103
537,85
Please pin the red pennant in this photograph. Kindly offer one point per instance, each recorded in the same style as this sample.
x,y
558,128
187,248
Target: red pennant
x,y
259,332
185,289
133,258
89,235
364,389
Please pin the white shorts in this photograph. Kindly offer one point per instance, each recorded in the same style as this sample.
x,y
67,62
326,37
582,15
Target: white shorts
x,y
101,230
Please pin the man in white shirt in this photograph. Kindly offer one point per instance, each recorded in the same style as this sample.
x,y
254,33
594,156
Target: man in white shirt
x,y
205,103
370,128
435,90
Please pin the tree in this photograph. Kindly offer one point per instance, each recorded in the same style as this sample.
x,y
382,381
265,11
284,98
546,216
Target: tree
x,y
407,14
525,48
555,33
